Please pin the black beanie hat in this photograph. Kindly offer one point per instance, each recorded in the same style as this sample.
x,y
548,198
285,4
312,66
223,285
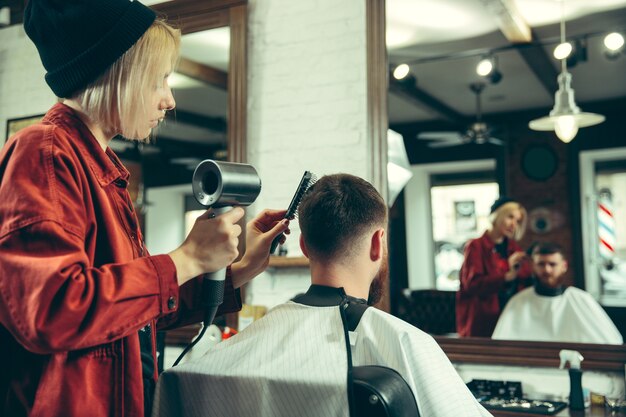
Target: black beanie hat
x,y
500,202
78,40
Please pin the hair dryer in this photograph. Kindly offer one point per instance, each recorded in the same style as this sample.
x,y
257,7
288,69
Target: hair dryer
x,y
220,186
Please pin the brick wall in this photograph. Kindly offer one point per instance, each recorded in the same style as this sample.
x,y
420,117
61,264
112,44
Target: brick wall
x,y
552,194
307,109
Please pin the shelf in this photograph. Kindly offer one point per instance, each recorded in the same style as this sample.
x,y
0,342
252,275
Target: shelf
x,y
288,262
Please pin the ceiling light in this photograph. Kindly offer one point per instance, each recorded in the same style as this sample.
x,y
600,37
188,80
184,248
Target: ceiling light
x,y
614,41
488,68
614,44
579,53
565,118
401,71
485,66
563,50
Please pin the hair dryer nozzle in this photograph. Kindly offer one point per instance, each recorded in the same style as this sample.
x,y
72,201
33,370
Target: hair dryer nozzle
x,y
220,184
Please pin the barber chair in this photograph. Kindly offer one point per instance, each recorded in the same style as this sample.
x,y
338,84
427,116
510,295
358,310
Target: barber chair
x,y
381,392
432,311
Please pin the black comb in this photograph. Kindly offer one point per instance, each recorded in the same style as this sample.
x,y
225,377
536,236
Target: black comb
x,y
308,179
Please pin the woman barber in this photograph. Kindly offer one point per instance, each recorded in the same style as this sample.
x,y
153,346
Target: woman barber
x,y
77,286
493,270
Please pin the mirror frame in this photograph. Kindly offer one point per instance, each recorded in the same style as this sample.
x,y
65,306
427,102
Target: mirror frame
x,y
478,350
197,15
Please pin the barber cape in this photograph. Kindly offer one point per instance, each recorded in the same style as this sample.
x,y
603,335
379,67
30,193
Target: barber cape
x,y
293,362
573,316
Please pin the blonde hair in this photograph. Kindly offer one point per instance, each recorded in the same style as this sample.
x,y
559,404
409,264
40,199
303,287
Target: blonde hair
x,y
116,98
504,210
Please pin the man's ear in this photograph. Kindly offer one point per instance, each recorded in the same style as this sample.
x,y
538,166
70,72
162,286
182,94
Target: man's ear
x,y
305,252
377,244
565,266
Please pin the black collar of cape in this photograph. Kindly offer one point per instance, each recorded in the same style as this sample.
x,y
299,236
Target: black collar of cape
x,y
541,289
323,296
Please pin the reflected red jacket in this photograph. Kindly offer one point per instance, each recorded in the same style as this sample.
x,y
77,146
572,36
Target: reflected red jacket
x,y
482,277
75,286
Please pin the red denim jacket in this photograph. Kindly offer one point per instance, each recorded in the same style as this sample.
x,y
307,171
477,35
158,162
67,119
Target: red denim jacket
x,y
482,277
75,282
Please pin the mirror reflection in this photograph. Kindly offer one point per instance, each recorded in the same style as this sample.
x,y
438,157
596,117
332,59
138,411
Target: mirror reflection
x,y
467,134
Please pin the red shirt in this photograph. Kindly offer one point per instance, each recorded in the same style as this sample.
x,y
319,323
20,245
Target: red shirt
x,y
482,277
75,286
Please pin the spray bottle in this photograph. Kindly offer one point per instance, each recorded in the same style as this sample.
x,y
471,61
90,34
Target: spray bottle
x,y
576,401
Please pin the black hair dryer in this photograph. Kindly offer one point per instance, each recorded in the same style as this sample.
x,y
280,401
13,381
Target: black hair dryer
x,y
220,186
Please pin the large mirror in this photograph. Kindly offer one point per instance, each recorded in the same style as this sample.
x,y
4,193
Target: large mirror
x,y
459,169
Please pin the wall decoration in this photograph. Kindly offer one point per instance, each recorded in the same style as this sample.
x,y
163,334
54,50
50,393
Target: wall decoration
x,y
13,125
543,220
539,162
465,216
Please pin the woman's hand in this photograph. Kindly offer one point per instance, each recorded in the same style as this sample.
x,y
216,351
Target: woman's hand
x,y
210,246
260,232
515,262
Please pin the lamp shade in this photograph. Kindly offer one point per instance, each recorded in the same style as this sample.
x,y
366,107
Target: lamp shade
x,y
565,118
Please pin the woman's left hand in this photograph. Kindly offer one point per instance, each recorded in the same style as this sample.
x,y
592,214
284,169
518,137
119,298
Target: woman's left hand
x,y
260,232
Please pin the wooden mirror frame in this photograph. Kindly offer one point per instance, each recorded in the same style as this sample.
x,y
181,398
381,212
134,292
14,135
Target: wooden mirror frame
x,y
478,350
197,15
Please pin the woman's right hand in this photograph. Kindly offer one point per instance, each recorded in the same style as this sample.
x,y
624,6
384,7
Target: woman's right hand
x,y
210,246
515,262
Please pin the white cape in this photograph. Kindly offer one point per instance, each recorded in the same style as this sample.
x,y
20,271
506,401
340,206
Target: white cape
x,y
573,316
293,362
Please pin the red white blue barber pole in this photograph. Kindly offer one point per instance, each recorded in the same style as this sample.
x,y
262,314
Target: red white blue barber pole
x,y
606,225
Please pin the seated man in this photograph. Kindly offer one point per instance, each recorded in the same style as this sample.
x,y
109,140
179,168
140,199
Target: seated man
x,y
550,312
294,361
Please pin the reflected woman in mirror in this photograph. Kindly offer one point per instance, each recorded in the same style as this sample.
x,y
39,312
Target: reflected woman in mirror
x,y
494,269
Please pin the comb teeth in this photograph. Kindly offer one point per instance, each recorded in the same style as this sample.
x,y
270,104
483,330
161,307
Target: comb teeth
x,y
308,179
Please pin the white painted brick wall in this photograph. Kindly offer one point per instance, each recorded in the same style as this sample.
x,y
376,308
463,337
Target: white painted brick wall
x,y
307,109
23,90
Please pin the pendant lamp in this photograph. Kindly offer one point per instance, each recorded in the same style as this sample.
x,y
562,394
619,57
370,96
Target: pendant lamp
x,y
566,117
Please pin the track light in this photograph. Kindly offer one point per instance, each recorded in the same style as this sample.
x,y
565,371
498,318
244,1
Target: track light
x,y
401,71
403,76
485,66
614,41
488,68
614,44
579,53
563,50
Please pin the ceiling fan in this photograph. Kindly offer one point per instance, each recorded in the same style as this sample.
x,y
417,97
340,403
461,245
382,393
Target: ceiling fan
x,y
478,132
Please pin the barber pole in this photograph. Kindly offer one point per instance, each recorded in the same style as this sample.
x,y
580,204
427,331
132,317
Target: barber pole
x,y
606,225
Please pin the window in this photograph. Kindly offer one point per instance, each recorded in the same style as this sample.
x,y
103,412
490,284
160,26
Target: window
x,y
603,202
459,213
446,205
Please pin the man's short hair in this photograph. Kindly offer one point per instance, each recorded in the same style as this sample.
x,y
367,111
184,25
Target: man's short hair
x,y
547,248
335,213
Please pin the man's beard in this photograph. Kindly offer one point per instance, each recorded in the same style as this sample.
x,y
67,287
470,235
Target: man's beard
x,y
377,288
